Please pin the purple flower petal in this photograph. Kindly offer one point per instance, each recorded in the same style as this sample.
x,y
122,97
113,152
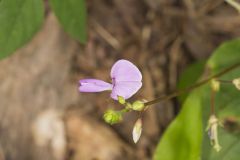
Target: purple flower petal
x,y
125,89
126,79
124,70
93,85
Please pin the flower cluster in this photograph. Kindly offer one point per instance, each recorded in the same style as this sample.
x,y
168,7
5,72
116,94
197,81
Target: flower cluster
x,y
126,81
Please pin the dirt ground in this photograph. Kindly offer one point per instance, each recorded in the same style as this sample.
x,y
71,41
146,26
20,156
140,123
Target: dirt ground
x,y
42,114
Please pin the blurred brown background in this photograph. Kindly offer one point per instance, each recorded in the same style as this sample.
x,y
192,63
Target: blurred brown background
x,y
42,115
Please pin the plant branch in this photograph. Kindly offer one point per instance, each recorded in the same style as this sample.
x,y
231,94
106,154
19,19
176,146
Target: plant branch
x,y
224,81
212,102
190,88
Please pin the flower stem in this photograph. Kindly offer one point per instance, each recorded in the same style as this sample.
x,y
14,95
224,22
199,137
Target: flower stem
x,y
190,88
212,102
125,110
224,81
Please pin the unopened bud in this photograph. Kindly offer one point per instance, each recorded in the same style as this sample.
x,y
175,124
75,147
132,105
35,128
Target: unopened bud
x,y
112,117
138,106
137,130
213,132
236,83
121,100
215,85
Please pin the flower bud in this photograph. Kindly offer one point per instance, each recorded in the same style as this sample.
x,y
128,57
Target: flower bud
x,y
215,85
112,117
138,106
236,83
121,100
137,130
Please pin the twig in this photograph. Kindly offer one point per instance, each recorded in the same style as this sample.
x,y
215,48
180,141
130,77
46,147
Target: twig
x,y
234,4
190,88
107,36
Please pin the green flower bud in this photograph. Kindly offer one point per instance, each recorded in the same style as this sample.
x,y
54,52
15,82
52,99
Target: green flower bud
x,y
215,85
121,100
138,106
112,117
236,83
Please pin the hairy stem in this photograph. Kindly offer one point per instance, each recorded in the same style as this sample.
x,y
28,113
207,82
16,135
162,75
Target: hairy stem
x,y
190,88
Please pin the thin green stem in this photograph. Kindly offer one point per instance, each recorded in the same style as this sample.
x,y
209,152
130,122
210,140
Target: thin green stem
x,y
224,81
125,110
190,88
212,102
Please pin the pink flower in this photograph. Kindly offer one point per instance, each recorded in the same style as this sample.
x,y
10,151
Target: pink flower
x,y
126,81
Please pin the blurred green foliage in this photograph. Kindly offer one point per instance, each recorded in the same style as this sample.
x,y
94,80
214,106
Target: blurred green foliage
x,y
190,76
227,105
186,138
72,16
21,19
182,139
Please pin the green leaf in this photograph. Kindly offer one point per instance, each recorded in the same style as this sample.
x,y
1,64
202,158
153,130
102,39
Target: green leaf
x,y
190,76
72,16
186,138
19,21
182,139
